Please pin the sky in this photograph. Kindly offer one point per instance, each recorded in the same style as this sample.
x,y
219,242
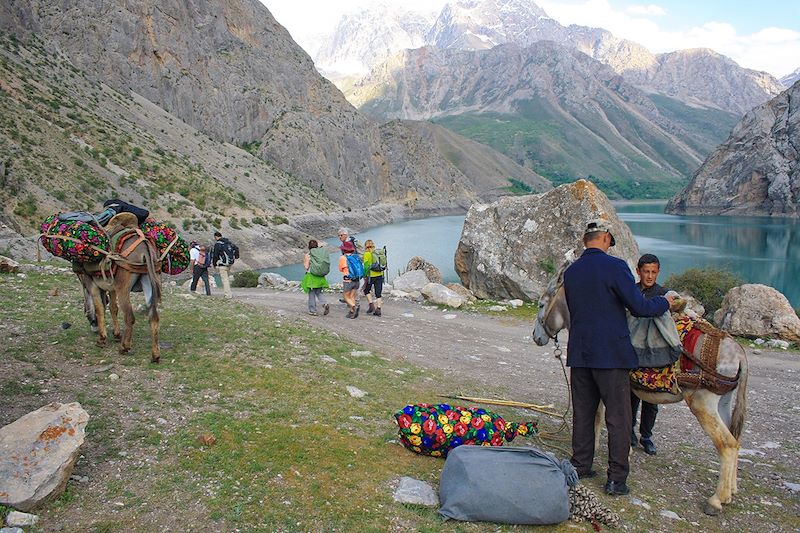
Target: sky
x,y
761,35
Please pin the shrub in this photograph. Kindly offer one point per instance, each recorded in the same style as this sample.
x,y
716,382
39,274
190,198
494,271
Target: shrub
x,y
245,278
709,285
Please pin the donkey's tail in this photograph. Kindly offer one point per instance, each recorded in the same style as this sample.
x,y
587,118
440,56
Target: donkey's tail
x,y
153,275
740,409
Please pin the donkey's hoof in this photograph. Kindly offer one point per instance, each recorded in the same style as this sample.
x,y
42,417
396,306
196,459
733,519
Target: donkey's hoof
x,y
155,360
117,337
124,351
101,342
711,510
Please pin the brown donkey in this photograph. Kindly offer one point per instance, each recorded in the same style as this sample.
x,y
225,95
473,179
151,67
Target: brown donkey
x,y
134,267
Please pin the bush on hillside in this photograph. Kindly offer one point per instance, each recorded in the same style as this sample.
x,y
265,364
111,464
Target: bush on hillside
x,y
245,278
709,285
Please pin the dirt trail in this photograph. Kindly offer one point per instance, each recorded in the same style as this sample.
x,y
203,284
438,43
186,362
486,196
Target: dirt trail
x,y
497,358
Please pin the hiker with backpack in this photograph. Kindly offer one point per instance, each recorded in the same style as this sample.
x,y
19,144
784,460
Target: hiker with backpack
x,y
199,260
317,263
374,267
352,271
225,254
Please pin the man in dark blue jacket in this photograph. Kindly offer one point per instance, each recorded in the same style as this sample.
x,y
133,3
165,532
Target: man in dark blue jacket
x,y
598,289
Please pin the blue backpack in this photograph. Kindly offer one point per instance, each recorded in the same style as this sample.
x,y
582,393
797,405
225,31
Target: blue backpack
x,y
355,267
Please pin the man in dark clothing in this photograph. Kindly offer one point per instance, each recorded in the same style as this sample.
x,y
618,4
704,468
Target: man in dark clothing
x,y
225,253
598,289
647,269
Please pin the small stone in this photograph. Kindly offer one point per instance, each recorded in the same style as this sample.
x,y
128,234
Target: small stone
x,y
516,303
449,317
12,530
497,308
757,352
113,377
327,359
18,519
360,353
408,314
672,515
640,503
161,421
794,487
415,492
355,392
104,368
66,325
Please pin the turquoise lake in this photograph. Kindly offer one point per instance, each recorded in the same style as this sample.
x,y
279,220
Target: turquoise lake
x,y
757,249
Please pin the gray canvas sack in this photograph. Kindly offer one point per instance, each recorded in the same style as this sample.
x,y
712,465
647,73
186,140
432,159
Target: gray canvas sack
x,y
504,484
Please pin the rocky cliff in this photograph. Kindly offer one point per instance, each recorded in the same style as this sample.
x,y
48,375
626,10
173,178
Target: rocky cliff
x,y
548,107
756,171
694,76
228,69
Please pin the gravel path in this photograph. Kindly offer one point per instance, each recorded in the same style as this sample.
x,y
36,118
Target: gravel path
x,y
497,358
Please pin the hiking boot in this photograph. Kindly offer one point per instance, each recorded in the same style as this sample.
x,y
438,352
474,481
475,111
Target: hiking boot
x,y
327,308
616,488
377,311
589,474
313,313
371,308
649,446
358,308
342,301
634,440
350,313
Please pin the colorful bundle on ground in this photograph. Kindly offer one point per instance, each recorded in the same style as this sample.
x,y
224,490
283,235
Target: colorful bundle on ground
x,y
177,258
436,429
74,240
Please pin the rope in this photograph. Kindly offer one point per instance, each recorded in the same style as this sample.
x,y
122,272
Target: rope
x,y
167,249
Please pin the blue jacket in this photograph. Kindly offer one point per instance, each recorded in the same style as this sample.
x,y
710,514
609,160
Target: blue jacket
x,y
599,288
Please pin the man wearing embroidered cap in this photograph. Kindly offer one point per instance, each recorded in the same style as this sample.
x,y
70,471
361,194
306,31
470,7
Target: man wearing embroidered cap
x,y
598,289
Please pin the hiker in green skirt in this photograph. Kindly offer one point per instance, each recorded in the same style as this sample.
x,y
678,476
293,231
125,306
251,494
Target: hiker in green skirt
x,y
317,263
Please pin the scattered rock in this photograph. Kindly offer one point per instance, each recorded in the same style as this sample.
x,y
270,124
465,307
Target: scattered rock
x,y
398,294
12,530
439,294
415,492
754,310
672,515
794,487
327,359
411,281
54,435
271,279
355,392
408,314
113,377
497,308
516,303
416,296
461,291
17,519
104,368
360,353
777,343
640,503
538,233
431,271
8,265
449,316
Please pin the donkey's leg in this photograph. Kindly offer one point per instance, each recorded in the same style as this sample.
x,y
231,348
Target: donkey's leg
x,y
100,315
703,405
114,307
152,314
124,303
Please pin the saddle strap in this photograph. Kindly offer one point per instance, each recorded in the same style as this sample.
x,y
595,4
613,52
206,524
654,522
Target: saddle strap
x,y
139,239
707,378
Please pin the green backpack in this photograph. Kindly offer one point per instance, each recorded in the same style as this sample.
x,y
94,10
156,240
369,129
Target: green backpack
x,y
378,260
320,261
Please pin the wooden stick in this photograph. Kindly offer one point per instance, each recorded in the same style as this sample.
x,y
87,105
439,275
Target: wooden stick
x,y
509,403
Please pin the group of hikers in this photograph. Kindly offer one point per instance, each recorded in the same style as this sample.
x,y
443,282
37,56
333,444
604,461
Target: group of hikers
x,y
222,256
362,270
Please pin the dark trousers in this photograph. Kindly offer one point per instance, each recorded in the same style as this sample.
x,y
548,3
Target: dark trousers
x,y
649,413
199,272
589,387
376,282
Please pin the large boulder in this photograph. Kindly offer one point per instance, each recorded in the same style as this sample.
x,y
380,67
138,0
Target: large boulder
x,y
439,294
512,248
420,263
38,452
411,281
8,265
461,291
755,310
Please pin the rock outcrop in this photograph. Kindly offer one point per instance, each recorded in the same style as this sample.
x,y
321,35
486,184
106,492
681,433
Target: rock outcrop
x,y
754,310
420,263
513,247
439,294
756,171
38,452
